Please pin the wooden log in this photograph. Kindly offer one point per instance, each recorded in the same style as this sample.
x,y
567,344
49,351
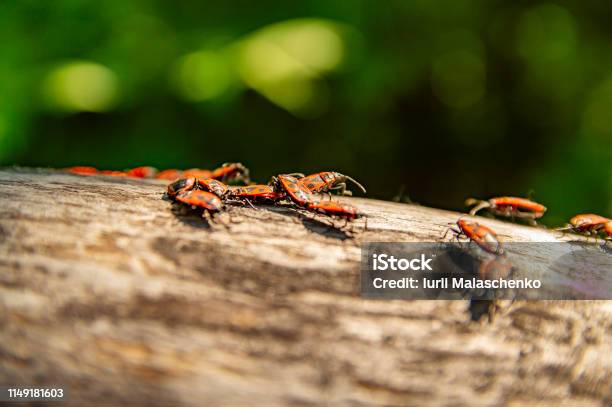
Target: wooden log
x,y
111,292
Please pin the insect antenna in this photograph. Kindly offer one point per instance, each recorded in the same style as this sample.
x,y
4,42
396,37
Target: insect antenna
x,y
356,183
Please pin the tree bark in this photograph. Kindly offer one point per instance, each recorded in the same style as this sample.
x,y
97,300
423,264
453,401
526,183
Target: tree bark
x,y
119,296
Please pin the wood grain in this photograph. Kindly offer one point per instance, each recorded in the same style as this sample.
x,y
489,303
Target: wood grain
x,y
121,297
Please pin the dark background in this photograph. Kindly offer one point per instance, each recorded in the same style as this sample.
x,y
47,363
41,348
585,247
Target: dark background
x,y
446,99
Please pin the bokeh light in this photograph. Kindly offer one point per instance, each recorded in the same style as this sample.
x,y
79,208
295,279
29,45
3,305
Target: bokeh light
x,y
204,75
81,87
285,62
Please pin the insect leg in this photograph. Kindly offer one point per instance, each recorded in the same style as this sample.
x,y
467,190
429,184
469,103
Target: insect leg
x,y
341,188
479,205
451,229
234,201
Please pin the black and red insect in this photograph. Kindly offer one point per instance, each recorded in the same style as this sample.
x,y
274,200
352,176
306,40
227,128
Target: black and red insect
x,y
328,181
142,172
293,188
113,173
228,172
170,174
303,197
197,198
608,229
138,172
188,191
82,170
335,209
231,172
590,224
181,185
509,207
212,185
482,235
197,173
255,193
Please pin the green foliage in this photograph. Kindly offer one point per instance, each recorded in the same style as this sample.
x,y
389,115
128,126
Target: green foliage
x,y
449,99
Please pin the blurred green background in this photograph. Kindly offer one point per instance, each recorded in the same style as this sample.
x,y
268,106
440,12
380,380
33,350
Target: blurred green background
x,y
446,99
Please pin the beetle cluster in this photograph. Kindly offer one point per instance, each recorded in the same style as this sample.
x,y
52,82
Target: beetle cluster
x,y
515,208
229,171
504,206
520,208
207,189
524,209
300,191
211,194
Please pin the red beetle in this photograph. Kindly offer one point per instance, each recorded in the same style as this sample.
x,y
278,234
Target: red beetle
x,y
212,185
181,185
482,235
588,223
227,172
608,229
113,173
509,206
295,189
591,224
255,193
82,170
235,172
142,172
328,181
169,175
201,199
335,209
198,173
